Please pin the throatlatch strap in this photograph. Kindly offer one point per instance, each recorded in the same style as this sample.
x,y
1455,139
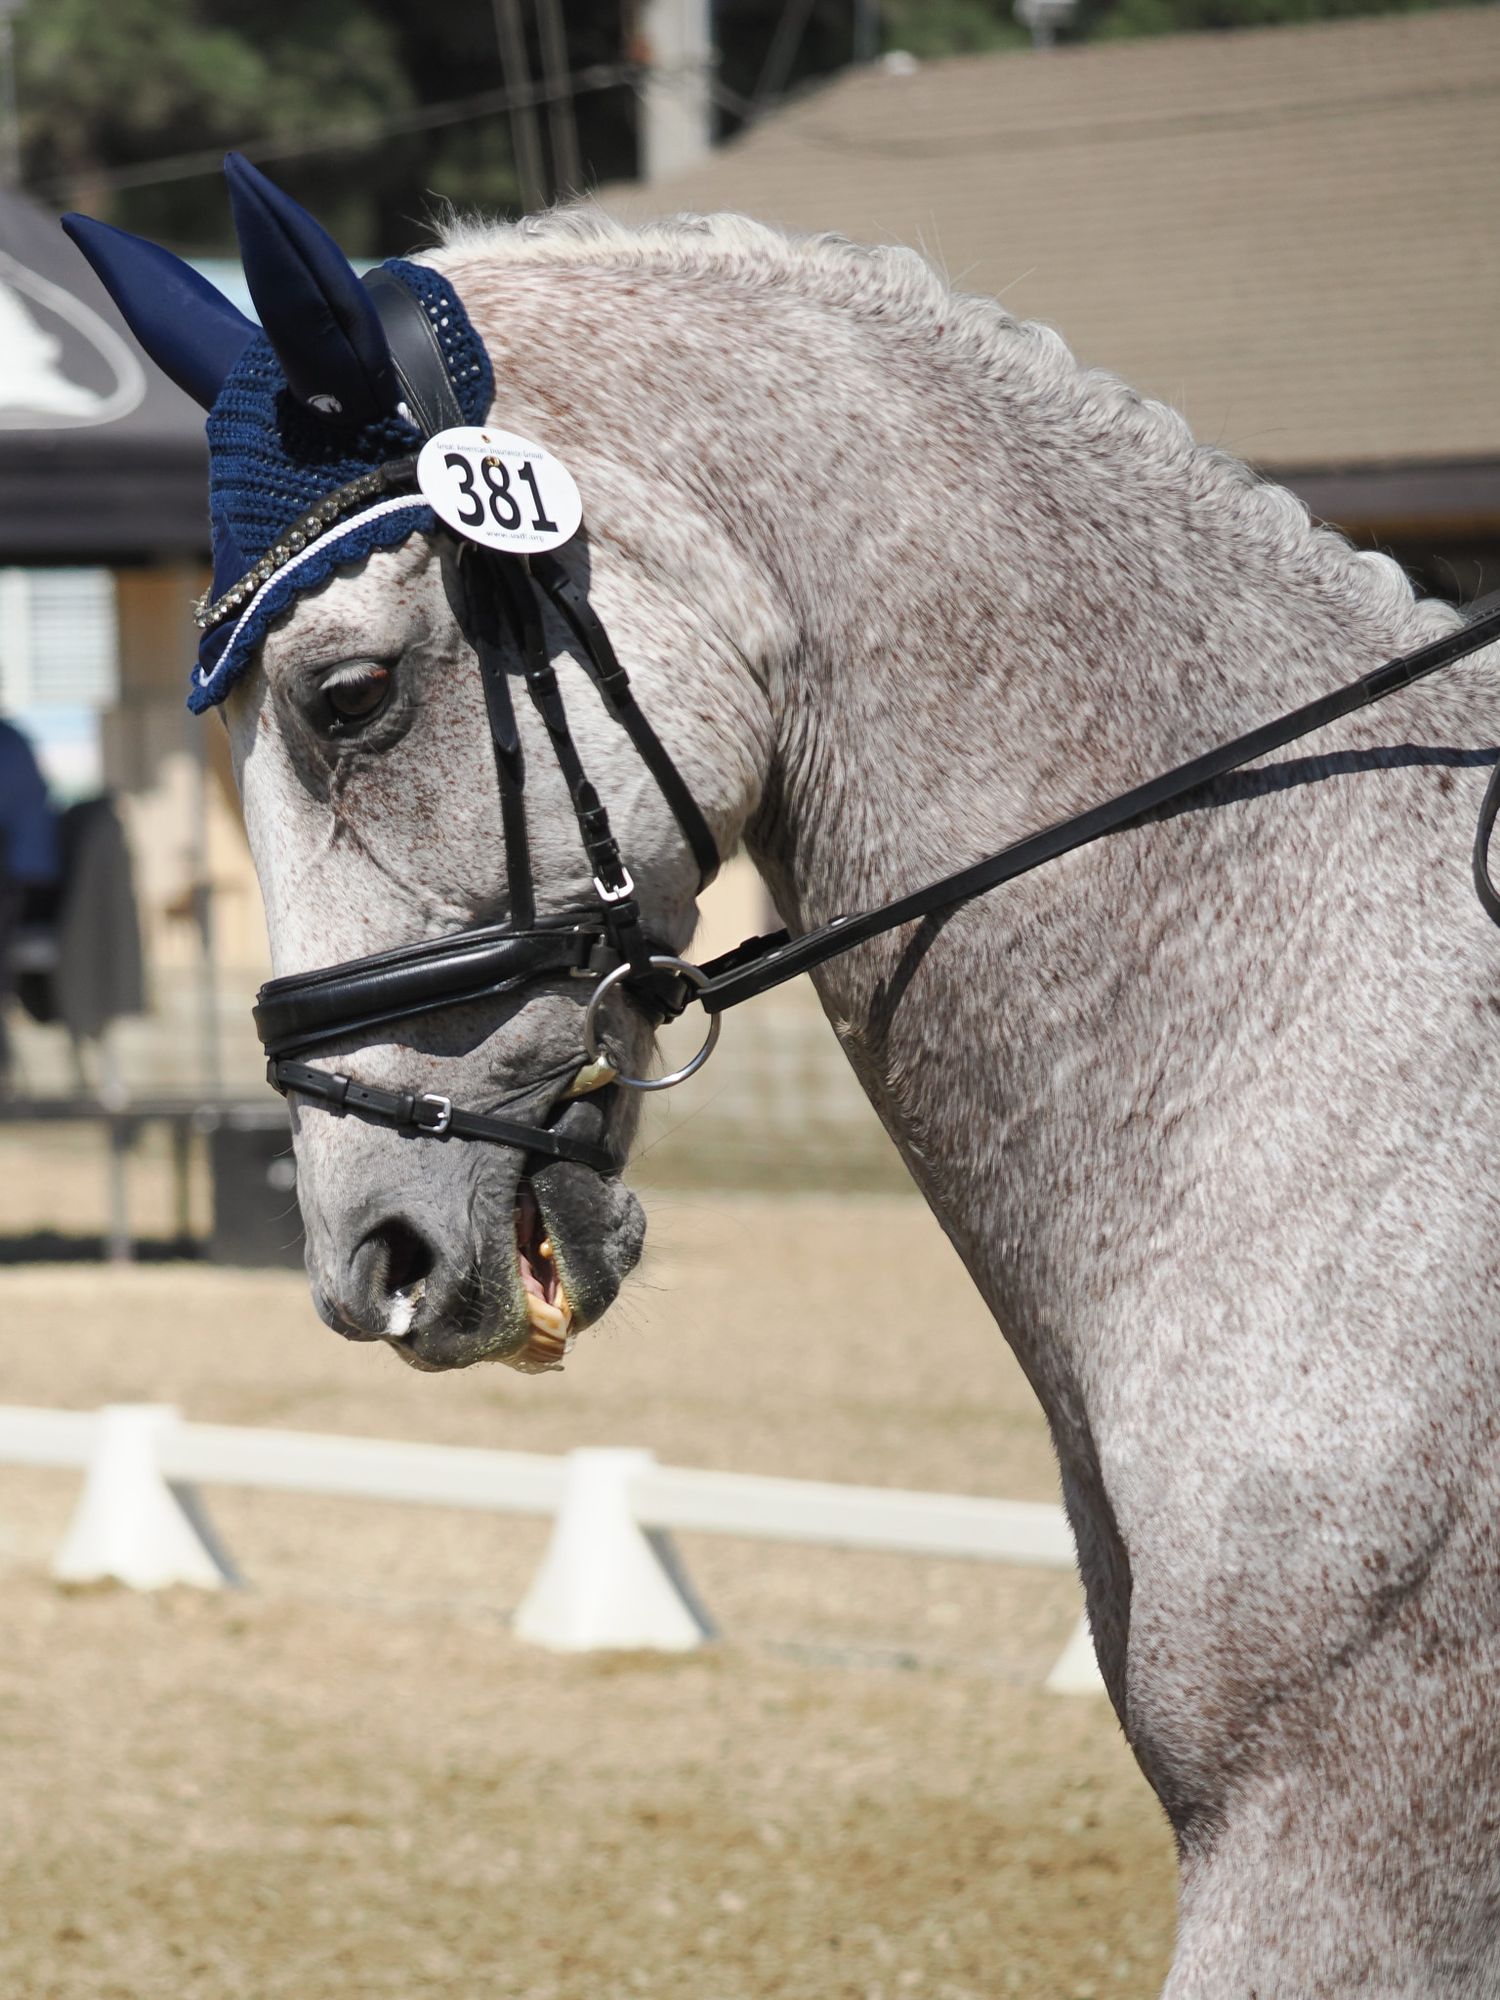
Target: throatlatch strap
x,y
614,684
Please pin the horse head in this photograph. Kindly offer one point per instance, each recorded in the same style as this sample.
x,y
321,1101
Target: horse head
x,y
457,834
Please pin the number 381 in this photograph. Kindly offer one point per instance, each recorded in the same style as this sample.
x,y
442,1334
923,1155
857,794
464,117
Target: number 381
x,y
499,499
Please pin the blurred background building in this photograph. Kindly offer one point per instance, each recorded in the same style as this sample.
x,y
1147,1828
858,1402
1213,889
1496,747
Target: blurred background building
x,y
1265,212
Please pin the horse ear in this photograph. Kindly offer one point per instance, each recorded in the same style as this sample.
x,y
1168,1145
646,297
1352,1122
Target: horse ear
x,y
319,318
189,329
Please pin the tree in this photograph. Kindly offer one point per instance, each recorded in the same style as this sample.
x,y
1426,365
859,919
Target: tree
x,y
929,28
106,84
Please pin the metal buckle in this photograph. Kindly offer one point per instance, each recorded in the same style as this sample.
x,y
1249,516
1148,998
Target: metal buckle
x,y
444,1110
626,888
696,977
587,966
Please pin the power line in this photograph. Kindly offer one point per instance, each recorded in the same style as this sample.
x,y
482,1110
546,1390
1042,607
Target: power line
x,y
352,137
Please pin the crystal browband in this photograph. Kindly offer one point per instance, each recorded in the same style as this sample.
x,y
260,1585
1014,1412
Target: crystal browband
x,y
333,507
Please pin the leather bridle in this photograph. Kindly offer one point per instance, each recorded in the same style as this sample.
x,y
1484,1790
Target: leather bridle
x,y
602,941
501,612
606,941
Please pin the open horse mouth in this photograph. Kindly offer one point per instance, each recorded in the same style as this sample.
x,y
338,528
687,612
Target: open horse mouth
x,y
521,1298
548,1307
551,1321
578,1236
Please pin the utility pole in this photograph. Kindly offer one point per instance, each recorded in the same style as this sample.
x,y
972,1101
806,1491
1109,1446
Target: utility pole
x,y
562,129
1044,18
866,30
523,133
10,117
676,38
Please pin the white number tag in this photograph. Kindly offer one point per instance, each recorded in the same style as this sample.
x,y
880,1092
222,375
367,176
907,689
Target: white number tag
x,y
500,489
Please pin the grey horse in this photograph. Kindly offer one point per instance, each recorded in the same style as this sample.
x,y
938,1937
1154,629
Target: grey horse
x,y
1208,1110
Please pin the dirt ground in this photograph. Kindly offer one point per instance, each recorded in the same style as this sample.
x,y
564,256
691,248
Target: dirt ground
x,y
348,1779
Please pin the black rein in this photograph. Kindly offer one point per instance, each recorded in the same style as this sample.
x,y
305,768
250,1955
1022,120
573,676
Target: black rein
x,y
763,962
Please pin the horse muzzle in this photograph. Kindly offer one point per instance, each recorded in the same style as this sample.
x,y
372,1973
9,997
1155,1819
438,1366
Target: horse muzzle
x,y
448,1265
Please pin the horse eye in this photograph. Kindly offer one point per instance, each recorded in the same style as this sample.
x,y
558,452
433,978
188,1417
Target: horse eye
x,y
355,694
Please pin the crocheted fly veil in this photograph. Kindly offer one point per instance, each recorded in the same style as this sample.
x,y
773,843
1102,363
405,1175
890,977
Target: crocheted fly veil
x,y
311,444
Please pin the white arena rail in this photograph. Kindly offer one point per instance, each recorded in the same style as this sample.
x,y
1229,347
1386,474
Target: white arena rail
x,y
853,1517
350,1468
611,1576
47,1437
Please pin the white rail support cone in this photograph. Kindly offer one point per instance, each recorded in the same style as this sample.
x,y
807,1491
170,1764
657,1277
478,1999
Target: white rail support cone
x,y
606,1582
130,1525
1077,1669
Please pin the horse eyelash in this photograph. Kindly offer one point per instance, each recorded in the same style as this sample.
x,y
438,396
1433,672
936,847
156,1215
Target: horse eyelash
x,y
351,671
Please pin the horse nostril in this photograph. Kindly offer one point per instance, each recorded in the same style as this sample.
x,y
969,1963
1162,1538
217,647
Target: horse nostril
x,y
408,1256
388,1264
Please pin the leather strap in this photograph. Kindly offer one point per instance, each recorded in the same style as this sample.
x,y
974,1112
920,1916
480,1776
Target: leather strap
x,y
306,1008
761,963
486,613
1484,885
420,369
426,1115
618,909
614,684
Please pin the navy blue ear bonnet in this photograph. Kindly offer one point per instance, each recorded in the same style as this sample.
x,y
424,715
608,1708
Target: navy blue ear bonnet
x,y
303,416
272,460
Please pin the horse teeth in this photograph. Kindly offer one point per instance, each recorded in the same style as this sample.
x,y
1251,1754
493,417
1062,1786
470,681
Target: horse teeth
x,y
547,1318
593,1076
551,1336
544,1248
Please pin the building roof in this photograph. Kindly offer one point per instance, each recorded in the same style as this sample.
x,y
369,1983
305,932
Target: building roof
x,y
1292,234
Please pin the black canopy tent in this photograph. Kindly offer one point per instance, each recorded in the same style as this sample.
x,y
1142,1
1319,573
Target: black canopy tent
x,y
102,459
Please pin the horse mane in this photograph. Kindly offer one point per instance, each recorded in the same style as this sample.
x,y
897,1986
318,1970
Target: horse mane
x,y
1031,357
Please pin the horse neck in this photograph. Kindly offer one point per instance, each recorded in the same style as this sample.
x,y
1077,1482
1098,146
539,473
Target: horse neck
x,y
1035,596
1044,605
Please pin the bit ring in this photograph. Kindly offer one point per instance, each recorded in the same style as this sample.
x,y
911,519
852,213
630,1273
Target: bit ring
x,y
696,977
